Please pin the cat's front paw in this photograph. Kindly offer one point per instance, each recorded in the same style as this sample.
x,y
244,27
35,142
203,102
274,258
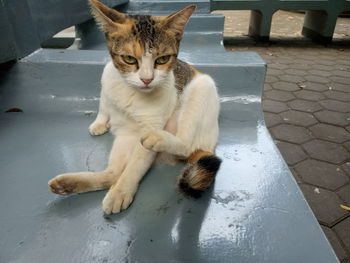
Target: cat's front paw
x,y
154,140
117,199
98,128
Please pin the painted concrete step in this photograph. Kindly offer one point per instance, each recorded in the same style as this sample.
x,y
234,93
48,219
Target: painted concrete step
x,y
255,199
202,31
163,6
101,57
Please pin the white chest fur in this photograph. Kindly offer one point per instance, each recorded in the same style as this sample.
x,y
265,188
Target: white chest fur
x,y
129,107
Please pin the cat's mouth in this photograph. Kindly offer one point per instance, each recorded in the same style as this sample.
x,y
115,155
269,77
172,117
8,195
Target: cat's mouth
x,y
146,88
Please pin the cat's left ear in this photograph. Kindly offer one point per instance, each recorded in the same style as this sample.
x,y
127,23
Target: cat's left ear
x,y
176,22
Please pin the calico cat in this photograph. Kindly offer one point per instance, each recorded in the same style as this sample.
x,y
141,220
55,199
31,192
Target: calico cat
x,y
154,104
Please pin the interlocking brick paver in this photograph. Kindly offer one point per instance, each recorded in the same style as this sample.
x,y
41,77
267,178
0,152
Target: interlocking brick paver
x,y
304,61
334,105
326,62
347,145
291,78
324,204
344,194
322,67
286,86
274,72
332,117
334,240
308,85
330,133
322,174
304,105
267,87
270,79
322,73
291,133
291,153
343,231
340,87
318,79
337,95
296,176
274,106
298,118
340,80
341,73
343,61
326,151
346,168
326,56
314,74
293,71
285,61
298,67
278,66
309,95
272,119
279,95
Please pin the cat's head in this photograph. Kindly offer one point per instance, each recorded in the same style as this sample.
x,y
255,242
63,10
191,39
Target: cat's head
x,y
143,48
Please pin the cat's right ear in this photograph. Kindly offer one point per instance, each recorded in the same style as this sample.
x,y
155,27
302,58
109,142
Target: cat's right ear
x,y
107,18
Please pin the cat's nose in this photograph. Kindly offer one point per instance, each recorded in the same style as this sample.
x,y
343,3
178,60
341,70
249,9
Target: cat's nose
x,y
147,81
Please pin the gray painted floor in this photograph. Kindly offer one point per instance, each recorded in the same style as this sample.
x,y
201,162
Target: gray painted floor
x,y
254,213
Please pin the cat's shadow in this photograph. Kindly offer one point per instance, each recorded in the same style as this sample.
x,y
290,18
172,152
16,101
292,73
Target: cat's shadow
x,y
176,234
76,204
172,224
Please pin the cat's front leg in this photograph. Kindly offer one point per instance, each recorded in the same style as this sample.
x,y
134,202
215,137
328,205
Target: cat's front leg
x,y
162,141
121,194
101,124
154,140
119,197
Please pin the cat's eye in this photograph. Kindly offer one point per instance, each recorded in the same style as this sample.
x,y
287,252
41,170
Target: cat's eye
x,y
162,60
129,60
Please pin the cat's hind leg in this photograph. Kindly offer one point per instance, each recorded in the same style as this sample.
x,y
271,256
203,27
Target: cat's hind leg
x,y
81,182
196,136
197,124
70,183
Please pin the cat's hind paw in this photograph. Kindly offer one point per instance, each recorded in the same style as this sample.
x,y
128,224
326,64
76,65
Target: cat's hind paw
x,y
98,128
62,185
117,200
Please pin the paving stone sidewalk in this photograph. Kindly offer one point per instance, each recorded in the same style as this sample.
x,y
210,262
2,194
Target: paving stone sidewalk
x,y
306,103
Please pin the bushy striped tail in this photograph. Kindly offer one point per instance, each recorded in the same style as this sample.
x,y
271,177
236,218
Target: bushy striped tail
x,y
199,173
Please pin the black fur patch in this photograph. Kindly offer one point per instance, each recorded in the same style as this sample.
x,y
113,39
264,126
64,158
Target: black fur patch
x,y
183,185
210,163
145,29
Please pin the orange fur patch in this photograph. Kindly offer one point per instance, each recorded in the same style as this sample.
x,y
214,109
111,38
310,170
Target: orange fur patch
x,y
195,156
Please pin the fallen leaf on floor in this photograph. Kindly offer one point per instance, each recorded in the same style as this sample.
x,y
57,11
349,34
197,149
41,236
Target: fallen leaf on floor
x,y
14,110
345,207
